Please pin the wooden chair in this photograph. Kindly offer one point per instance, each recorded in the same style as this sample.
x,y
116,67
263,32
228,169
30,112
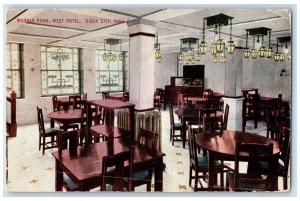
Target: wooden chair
x,y
126,96
225,118
175,127
156,100
252,180
46,133
281,168
271,121
143,174
212,124
76,99
69,140
251,109
199,165
105,95
54,102
114,179
183,101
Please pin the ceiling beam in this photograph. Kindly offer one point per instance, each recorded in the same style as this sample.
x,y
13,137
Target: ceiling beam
x,y
94,34
169,13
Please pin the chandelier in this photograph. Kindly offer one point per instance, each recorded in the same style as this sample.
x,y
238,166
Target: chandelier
x,y
280,56
110,53
188,50
60,56
218,45
258,34
157,50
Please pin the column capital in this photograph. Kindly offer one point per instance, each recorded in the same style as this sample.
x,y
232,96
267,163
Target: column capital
x,y
141,27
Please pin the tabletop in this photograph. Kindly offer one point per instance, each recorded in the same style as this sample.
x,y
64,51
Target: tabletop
x,y
86,165
66,116
224,142
191,113
110,104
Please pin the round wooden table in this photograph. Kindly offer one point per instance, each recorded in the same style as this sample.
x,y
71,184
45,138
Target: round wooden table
x,y
66,117
221,146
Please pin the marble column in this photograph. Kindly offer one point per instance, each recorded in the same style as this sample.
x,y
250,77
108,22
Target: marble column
x,y
141,62
235,116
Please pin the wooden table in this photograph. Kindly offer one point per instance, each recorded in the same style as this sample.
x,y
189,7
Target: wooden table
x,y
247,90
117,96
189,115
109,107
221,146
66,117
85,168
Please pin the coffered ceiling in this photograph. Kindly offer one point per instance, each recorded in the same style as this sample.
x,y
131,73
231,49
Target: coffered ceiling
x,y
88,27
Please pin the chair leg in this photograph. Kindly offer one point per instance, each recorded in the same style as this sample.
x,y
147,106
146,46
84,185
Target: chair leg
x,y
173,133
196,180
149,186
44,144
190,176
40,140
285,184
170,134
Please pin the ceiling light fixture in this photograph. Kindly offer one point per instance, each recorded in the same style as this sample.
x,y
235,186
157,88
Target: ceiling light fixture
x,y
218,46
262,51
246,50
110,54
157,50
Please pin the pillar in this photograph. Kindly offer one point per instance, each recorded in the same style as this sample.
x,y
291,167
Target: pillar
x,y
141,62
235,116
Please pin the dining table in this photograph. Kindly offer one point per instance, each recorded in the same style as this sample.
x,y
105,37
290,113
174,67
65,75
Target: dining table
x,y
109,107
85,166
65,117
222,146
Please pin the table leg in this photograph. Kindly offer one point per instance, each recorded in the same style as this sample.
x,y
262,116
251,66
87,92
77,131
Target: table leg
x,y
58,177
184,131
158,174
51,123
211,171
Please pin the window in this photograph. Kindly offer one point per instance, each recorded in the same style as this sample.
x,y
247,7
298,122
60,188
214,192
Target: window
x,y
15,69
60,70
110,72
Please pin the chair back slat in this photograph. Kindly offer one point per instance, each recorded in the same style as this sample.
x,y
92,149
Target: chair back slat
x,y
114,170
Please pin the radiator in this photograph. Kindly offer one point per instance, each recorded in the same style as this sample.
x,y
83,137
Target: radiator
x,y
150,120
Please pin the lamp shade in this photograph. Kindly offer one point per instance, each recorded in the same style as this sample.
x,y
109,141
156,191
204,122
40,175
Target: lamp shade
x,y
220,45
276,56
215,59
157,54
262,51
203,47
281,57
289,55
180,57
159,59
197,56
269,53
246,52
254,53
213,49
230,47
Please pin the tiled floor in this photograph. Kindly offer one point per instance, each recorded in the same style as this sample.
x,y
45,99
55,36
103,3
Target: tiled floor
x,y
30,171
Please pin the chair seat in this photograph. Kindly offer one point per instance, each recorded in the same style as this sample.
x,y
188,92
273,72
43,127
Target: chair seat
x,y
277,170
178,125
139,175
243,185
203,162
70,184
74,126
52,131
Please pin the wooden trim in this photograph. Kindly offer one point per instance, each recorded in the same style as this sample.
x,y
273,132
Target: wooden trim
x,y
141,34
